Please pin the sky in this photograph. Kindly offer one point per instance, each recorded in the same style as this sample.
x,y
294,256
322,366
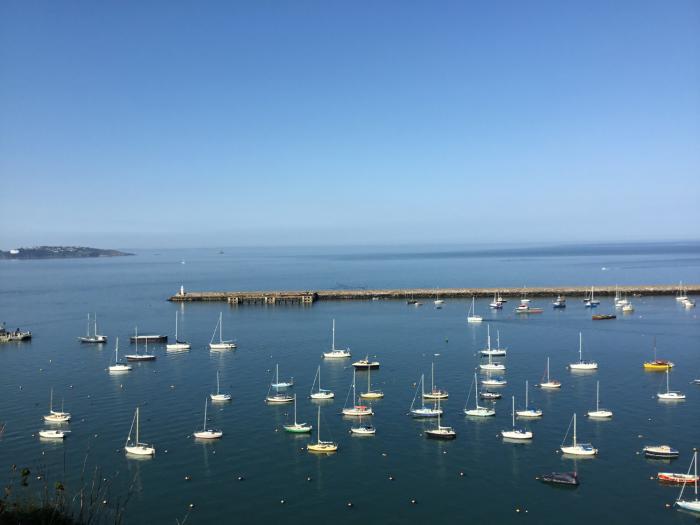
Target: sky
x,y
187,124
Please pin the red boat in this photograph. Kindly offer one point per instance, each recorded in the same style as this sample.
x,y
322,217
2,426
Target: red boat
x,y
675,477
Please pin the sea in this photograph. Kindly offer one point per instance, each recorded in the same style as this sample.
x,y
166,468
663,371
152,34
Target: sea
x,y
257,473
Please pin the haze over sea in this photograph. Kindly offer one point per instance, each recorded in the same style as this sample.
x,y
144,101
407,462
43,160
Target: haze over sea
x,y
52,298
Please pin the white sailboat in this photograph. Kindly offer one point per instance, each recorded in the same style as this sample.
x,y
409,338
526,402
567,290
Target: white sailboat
x,y
591,302
477,411
278,397
549,383
118,366
496,352
221,345
599,413
321,393
56,416
516,433
670,395
628,308
472,317
435,393
53,434
527,411
136,356
321,446
441,431
355,410
682,295
493,381
136,447
371,394
336,353
438,302
423,411
576,448
219,396
687,504
177,345
281,384
207,433
497,303
581,364
492,366
94,337
297,428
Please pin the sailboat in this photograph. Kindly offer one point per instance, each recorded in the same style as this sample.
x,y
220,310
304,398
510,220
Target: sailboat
x,y
515,433
472,317
493,381
547,381
355,410
440,432
670,395
423,411
560,302
53,434
591,302
435,393
136,447
438,302
491,366
682,295
528,412
497,303
281,384
94,337
321,393
278,397
336,353
221,345
365,364
477,411
178,345
136,356
576,448
321,446
207,433
371,394
219,396
117,366
498,351
692,505
56,416
599,413
581,364
657,365
297,428
363,429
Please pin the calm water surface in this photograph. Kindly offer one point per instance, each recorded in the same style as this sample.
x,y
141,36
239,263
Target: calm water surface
x,y
53,297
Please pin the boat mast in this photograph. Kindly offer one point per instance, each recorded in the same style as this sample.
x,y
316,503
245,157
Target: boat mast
x,y
333,338
176,337
548,370
526,393
354,393
574,443
295,410
217,382
204,425
137,425
580,347
221,328
597,396
88,326
432,377
488,338
476,393
318,425
512,411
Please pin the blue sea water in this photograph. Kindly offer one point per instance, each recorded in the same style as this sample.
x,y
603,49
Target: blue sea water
x,y
476,478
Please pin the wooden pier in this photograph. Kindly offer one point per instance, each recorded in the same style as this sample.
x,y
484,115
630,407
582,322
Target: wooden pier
x,y
308,297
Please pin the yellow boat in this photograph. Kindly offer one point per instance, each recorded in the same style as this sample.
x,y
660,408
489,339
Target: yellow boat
x,y
658,365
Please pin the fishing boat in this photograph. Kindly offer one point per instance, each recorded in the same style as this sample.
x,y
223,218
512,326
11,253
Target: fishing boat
x,y
53,434
357,409
321,446
435,392
603,317
670,395
321,393
297,428
576,448
93,337
281,384
516,433
177,345
207,433
547,382
371,394
423,411
219,396
493,381
591,302
440,431
560,302
599,413
560,478
118,366
660,452
676,477
492,366
687,504
477,411
528,412
366,364
489,395
135,447
221,344
657,365
336,353
488,351
581,364
56,416
472,317
136,356
17,335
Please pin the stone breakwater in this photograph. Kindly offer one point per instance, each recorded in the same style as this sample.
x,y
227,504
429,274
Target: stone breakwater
x,y
311,296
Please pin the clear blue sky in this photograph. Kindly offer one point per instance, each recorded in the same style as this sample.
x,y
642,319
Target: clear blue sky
x,y
270,122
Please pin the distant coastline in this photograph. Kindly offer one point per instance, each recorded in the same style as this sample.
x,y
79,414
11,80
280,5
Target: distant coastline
x,y
59,252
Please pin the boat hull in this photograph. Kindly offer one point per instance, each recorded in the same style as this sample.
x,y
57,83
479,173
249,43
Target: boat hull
x,y
445,435
140,450
323,447
516,434
222,346
208,434
299,428
600,414
220,397
579,451
689,505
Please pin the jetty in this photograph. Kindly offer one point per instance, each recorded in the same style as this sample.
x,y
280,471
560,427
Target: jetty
x,y
310,296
